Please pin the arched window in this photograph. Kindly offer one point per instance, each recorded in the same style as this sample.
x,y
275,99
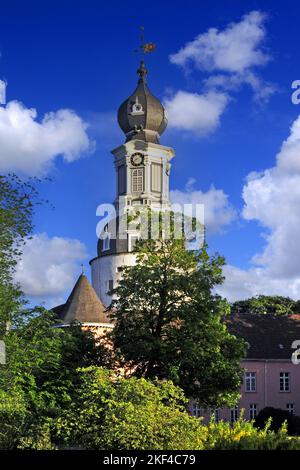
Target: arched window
x,y
106,239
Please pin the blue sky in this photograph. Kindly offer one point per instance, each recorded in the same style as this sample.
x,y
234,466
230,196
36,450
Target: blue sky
x,y
80,56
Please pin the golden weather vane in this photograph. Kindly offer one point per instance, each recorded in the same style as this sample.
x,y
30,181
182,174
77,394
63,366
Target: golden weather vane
x,y
145,47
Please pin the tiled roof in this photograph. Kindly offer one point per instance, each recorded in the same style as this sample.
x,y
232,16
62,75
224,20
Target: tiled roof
x,y
269,336
83,305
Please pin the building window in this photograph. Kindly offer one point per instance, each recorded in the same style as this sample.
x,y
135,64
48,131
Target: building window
x,y
252,411
250,382
109,285
284,381
106,239
215,414
196,410
132,241
234,414
137,180
290,408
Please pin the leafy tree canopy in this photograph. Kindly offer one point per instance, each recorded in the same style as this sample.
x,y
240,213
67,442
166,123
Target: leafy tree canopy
x,y
265,304
117,413
17,201
169,323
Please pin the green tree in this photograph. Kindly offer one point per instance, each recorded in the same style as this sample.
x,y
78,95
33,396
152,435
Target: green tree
x,y
265,305
43,360
17,201
41,369
116,413
169,323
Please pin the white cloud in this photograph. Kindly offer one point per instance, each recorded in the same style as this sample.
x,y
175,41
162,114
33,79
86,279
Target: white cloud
x,y
199,114
230,56
234,49
31,146
2,92
242,284
218,212
272,198
49,266
262,90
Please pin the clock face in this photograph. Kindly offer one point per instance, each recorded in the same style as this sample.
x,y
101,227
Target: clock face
x,y
137,159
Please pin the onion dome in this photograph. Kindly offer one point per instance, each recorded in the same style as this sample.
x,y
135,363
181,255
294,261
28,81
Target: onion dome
x,y
142,116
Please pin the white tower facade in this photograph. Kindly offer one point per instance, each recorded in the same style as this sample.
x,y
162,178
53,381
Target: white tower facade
x,y
142,168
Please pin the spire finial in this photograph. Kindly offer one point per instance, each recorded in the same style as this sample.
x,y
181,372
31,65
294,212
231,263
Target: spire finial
x,y
144,48
82,269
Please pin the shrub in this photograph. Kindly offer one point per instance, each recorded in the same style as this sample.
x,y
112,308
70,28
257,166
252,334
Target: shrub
x,y
117,413
12,418
278,418
242,435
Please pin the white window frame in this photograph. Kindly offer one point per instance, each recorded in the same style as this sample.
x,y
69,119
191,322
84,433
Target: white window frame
x,y
291,408
106,239
250,382
216,414
137,180
107,285
196,410
132,238
252,411
284,382
234,414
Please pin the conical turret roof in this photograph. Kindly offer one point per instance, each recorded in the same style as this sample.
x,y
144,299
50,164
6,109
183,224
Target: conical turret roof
x,y
83,305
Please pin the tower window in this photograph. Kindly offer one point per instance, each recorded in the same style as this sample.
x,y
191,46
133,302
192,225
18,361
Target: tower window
x,y
106,239
132,241
137,180
109,285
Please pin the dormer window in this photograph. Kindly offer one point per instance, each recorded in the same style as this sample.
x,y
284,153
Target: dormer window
x,y
106,239
137,108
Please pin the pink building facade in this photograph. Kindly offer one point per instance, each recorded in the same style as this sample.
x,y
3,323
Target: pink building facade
x,y
271,379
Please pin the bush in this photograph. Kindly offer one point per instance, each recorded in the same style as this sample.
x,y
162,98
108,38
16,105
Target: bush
x,y
242,435
278,418
114,413
13,414
117,413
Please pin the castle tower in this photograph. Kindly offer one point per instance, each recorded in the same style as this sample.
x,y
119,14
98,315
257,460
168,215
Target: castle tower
x,y
142,168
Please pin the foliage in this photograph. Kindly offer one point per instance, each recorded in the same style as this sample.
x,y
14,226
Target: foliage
x,y
278,418
13,414
169,324
42,363
18,427
242,435
43,360
265,304
118,413
114,413
17,201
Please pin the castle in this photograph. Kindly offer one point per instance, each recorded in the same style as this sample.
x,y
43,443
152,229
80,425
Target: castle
x,y
142,167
